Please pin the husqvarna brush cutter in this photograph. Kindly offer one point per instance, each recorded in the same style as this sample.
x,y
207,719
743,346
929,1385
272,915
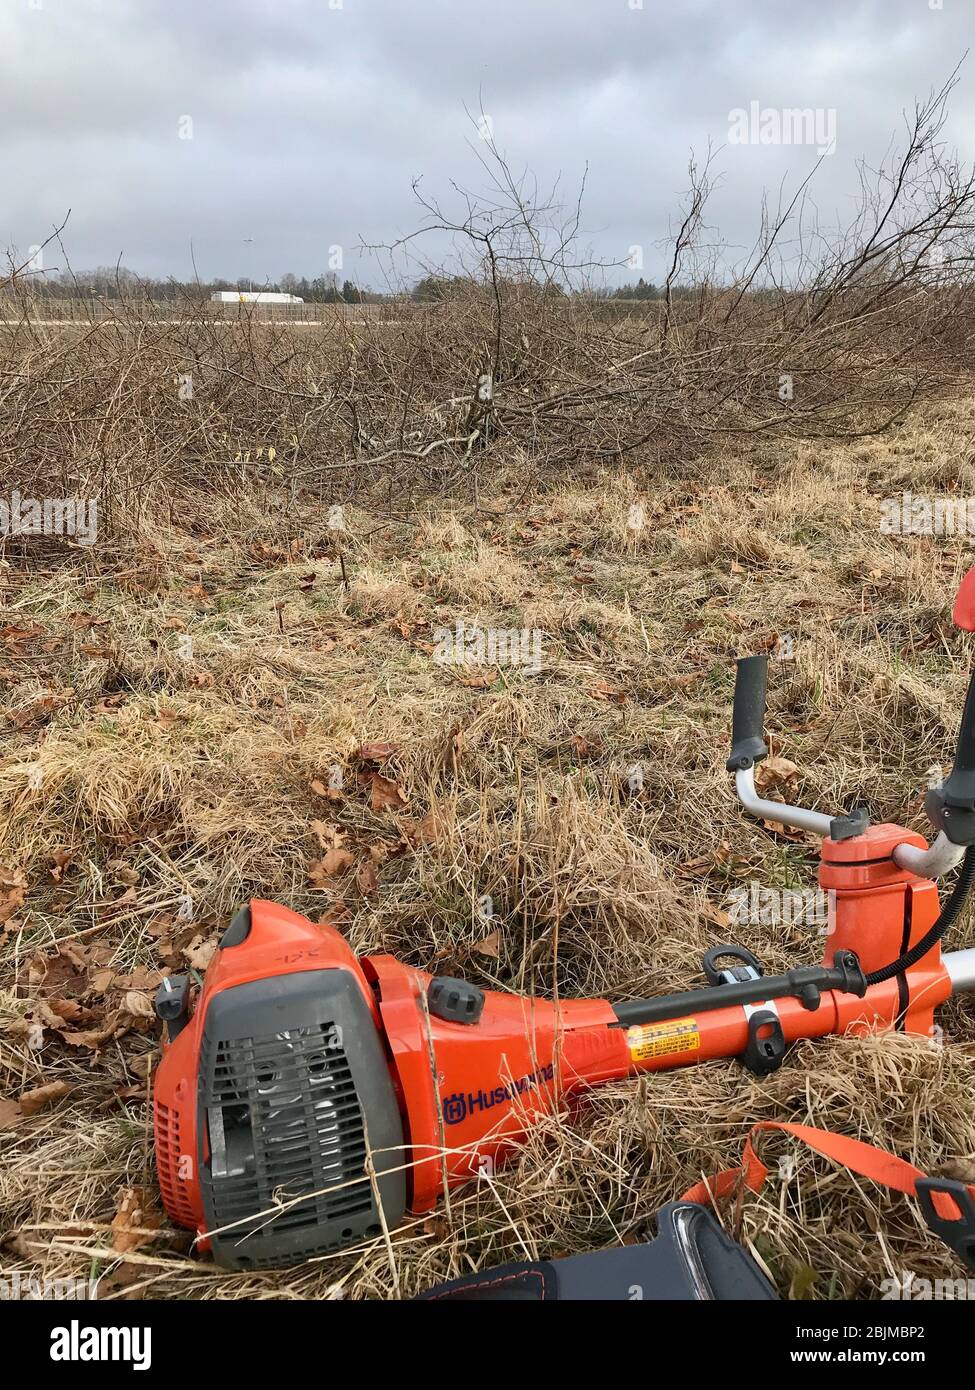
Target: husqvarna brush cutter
x,y
312,1098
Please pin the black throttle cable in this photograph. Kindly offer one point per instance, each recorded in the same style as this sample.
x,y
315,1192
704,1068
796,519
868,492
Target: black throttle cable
x,y
946,917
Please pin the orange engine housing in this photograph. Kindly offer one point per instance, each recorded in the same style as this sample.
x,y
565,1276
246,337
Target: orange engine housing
x,y
305,1070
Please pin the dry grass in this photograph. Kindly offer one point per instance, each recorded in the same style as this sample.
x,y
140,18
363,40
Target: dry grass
x,y
162,776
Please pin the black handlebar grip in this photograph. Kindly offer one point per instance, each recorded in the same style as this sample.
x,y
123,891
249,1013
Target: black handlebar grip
x,y
748,715
965,752
957,792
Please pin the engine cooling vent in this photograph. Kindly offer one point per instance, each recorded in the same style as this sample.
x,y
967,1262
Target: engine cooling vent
x,y
175,1200
293,1080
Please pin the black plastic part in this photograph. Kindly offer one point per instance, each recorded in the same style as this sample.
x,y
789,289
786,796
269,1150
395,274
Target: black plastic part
x,y
455,1001
806,982
691,1259
957,822
934,807
947,915
958,1232
172,1004
848,827
849,975
239,929
714,976
294,1091
748,713
952,806
766,1044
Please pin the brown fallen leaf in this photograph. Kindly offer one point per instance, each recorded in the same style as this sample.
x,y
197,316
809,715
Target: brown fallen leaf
x,y
581,747
452,750
773,770
91,1038
329,836
12,635
331,864
437,1227
430,829
118,905
198,953
31,1102
62,863
376,752
74,952
367,879
134,1220
139,1005
141,978
142,1065
85,621
384,794
10,1114
60,975
13,891
56,1012
795,837
490,946
123,872
37,713
321,788
336,915
696,868
335,861
603,691
110,703
127,1093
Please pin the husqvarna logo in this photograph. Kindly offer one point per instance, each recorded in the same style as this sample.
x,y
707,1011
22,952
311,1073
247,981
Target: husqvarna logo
x,y
458,1106
455,1108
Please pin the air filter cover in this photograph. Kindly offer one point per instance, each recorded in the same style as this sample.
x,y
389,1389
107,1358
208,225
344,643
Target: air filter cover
x,y
294,1091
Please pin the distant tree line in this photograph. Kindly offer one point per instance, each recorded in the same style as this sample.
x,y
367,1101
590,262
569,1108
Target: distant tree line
x,y
433,288
115,282
643,289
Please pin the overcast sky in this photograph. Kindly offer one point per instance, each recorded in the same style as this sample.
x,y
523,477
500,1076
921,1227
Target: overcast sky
x,y
309,119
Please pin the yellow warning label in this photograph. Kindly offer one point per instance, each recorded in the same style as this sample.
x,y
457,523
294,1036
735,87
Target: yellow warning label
x,y
661,1039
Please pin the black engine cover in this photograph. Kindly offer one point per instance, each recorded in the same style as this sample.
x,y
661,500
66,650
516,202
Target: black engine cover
x,y
294,1090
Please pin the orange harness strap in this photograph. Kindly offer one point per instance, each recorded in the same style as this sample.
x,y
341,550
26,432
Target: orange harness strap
x,y
948,1205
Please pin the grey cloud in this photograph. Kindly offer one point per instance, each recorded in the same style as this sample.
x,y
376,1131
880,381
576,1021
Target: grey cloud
x,y
309,122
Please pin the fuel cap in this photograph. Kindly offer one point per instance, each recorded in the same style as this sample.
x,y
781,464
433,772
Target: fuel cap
x,y
455,1001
